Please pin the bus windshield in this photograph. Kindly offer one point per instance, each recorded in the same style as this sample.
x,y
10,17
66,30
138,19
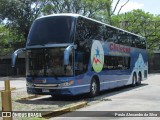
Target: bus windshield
x,y
49,30
48,62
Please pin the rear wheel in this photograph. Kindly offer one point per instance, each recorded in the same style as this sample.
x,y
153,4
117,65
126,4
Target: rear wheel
x,y
134,80
139,79
94,89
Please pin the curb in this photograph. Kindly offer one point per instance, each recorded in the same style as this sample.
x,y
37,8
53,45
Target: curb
x,y
29,97
63,110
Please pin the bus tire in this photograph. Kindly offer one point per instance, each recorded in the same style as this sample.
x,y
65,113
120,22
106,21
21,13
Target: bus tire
x,y
134,80
139,79
94,88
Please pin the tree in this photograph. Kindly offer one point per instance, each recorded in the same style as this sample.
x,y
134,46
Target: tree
x,y
142,23
98,9
91,8
19,14
116,5
5,40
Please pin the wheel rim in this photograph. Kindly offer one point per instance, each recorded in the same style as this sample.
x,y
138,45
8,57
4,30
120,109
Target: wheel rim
x,y
94,87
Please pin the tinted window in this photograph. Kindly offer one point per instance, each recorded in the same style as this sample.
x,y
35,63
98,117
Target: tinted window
x,y
110,34
116,62
123,38
48,62
133,42
56,29
81,62
143,43
86,31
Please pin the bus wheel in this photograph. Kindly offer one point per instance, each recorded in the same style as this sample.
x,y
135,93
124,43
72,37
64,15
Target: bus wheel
x,y
134,80
139,79
93,88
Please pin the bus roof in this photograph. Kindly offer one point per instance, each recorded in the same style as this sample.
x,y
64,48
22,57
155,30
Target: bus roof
x,y
77,15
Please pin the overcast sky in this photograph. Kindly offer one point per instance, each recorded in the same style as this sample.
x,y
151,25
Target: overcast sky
x,y
151,6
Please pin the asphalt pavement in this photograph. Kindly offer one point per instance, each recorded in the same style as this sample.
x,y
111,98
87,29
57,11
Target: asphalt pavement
x,y
144,98
141,98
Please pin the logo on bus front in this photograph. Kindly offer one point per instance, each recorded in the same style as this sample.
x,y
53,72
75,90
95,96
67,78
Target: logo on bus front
x,y
97,56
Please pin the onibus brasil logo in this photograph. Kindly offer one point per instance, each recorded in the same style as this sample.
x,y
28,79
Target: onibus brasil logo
x,y
97,56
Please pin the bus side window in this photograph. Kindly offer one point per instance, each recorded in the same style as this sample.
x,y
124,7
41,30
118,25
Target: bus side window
x,y
116,63
81,63
78,63
110,35
143,43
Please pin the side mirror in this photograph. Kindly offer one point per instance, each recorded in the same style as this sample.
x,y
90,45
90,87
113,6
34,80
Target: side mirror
x,y
66,54
15,54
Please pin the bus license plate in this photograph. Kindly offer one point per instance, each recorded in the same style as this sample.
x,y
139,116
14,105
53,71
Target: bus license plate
x,y
45,90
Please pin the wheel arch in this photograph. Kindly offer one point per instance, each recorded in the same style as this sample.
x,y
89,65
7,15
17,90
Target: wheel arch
x,y
134,73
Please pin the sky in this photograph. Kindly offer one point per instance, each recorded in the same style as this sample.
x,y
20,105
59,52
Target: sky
x,y
151,6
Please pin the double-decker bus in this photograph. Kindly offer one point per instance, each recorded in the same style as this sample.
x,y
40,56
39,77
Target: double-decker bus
x,y
69,54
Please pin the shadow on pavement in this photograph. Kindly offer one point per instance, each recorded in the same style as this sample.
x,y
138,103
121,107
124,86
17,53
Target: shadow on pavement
x,y
103,96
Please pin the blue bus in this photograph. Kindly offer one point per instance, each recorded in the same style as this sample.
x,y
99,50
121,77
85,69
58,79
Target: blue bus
x,y
69,54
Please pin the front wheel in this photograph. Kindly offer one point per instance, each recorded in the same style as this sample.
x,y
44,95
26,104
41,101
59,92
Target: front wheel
x,y
94,88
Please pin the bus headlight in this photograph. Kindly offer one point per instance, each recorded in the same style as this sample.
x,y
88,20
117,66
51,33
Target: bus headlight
x,y
67,83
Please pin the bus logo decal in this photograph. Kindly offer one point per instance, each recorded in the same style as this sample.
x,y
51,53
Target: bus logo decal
x,y
97,56
95,60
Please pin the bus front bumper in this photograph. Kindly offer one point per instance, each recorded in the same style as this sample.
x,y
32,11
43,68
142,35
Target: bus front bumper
x,y
55,89
46,91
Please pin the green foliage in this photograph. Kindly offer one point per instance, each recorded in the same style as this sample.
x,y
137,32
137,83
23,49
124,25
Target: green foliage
x,y
5,41
142,23
17,16
20,14
97,9
9,40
